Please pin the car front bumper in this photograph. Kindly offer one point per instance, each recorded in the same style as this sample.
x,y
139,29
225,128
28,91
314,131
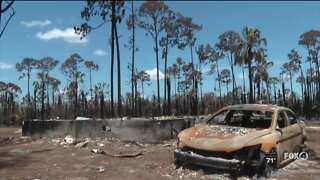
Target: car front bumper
x,y
215,162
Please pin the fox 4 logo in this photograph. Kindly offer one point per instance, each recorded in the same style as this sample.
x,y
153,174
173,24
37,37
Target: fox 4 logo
x,y
296,155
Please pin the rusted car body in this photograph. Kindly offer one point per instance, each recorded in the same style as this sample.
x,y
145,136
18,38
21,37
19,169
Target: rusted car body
x,y
240,136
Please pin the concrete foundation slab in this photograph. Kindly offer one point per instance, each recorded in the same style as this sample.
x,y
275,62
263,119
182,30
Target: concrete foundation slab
x,y
136,129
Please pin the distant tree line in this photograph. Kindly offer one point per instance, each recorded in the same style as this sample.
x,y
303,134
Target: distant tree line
x,y
183,79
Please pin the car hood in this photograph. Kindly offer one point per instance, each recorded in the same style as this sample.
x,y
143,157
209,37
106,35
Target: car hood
x,y
219,137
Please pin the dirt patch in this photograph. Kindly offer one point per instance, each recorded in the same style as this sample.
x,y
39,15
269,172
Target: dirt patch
x,y
26,158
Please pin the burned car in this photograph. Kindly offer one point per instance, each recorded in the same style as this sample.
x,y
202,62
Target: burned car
x,y
242,137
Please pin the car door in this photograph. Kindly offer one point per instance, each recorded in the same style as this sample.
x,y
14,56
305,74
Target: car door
x,y
284,130
296,135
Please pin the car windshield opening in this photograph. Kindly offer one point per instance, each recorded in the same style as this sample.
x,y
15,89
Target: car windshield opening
x,y
259,119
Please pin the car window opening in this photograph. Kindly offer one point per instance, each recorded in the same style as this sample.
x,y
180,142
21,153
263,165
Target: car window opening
x,y
243,118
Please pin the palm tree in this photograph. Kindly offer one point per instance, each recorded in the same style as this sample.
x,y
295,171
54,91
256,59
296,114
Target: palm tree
x,y
152,14
131,24
204,52
249,50
54,83
187,38
71,68
185,85
262,74
143,77
102,9
91,66
310,40
274,81
290,68
117,19
170,38
211,71
295,59
229,43
180,64
45,65
208,54
214,58
12,91
225,78
26,67
265,77
99,93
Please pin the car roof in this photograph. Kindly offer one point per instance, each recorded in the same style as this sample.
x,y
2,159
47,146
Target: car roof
x,y
255,107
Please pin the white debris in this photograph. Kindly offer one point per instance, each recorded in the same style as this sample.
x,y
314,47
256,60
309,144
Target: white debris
x,y
97,151
100,169
55,141
68,140
82,144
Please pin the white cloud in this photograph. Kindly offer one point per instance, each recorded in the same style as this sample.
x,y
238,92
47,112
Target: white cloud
x,y
100,52
67,35
35,23
153,74
5,66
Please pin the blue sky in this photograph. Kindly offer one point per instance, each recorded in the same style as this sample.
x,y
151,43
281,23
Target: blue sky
x,y
41,29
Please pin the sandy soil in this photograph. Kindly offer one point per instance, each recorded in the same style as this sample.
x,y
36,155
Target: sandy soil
x,y
26,158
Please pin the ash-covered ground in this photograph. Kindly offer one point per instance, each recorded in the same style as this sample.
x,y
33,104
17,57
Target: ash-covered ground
x,y
69,158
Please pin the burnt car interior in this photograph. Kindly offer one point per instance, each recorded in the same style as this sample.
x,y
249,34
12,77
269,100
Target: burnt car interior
x,y
257,119
281,123
283,116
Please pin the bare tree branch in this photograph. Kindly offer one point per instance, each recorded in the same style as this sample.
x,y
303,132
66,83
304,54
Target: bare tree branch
x,y
7,7
5,25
